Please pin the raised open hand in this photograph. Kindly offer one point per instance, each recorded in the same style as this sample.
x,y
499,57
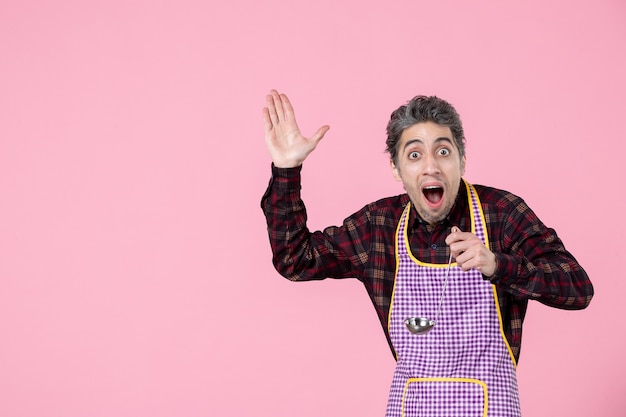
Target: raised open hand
x,y
287,146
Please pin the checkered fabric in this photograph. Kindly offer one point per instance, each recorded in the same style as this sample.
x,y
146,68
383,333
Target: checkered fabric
x,y
463,366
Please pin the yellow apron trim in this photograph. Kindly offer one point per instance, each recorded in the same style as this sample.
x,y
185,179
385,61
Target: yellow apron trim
x,y
467,380
480,210
393,292
506,342
471,208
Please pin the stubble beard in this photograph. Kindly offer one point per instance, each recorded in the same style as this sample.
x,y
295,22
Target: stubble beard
x,y
434,218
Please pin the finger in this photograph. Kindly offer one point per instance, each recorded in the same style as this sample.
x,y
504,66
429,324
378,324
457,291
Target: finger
x,y
458,250
453,236
464,261
271,107
289,114
279,105
267,120
471,263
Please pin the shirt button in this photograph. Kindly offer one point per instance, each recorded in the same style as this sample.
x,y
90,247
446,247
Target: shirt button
x,y
433,246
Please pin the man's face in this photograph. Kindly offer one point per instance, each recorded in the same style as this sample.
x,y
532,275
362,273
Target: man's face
x,y
430,167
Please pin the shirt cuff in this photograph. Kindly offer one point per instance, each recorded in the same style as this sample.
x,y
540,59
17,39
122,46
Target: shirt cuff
x,y
289,173
284,183
286,180
507,268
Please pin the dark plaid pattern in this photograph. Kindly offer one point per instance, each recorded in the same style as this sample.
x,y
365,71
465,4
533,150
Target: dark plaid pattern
x,y
532,262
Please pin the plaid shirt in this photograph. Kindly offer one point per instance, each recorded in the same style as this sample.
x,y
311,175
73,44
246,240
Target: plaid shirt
x,y
532,262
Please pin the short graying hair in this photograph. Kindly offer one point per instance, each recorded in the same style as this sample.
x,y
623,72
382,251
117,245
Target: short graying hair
x,y
423,109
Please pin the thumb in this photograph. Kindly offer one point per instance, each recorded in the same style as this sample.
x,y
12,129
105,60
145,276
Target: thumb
x,y
317,136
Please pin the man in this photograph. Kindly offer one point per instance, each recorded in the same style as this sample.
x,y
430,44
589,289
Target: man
x,y
454,327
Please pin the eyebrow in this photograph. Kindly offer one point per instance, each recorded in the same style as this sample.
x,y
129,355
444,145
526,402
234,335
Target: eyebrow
x,y
412,141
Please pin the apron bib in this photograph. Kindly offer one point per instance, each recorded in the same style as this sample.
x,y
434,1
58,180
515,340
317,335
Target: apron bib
x,y
464,366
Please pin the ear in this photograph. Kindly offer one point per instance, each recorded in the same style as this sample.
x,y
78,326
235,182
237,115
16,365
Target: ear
x,y
395,170
463,165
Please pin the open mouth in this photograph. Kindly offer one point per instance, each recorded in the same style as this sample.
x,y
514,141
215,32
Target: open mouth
x,y
433,194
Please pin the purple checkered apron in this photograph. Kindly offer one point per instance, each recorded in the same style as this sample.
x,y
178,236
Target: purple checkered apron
x,y
463,367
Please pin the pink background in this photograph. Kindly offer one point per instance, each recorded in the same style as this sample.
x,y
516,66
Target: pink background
x,y
135,273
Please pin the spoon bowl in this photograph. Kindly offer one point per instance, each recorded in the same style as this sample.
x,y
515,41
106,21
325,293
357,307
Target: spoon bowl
x,y
419,325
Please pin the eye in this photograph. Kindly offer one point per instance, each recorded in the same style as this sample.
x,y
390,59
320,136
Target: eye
x,y
444,152
414,155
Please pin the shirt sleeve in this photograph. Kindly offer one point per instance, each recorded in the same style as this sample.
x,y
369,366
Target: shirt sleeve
x,y
301,255
536,264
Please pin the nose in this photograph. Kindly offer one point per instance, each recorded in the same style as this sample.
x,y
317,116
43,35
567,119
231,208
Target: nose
x,y
431,165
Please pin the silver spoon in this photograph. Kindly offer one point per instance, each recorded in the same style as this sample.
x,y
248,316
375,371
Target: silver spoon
x,y
422,325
